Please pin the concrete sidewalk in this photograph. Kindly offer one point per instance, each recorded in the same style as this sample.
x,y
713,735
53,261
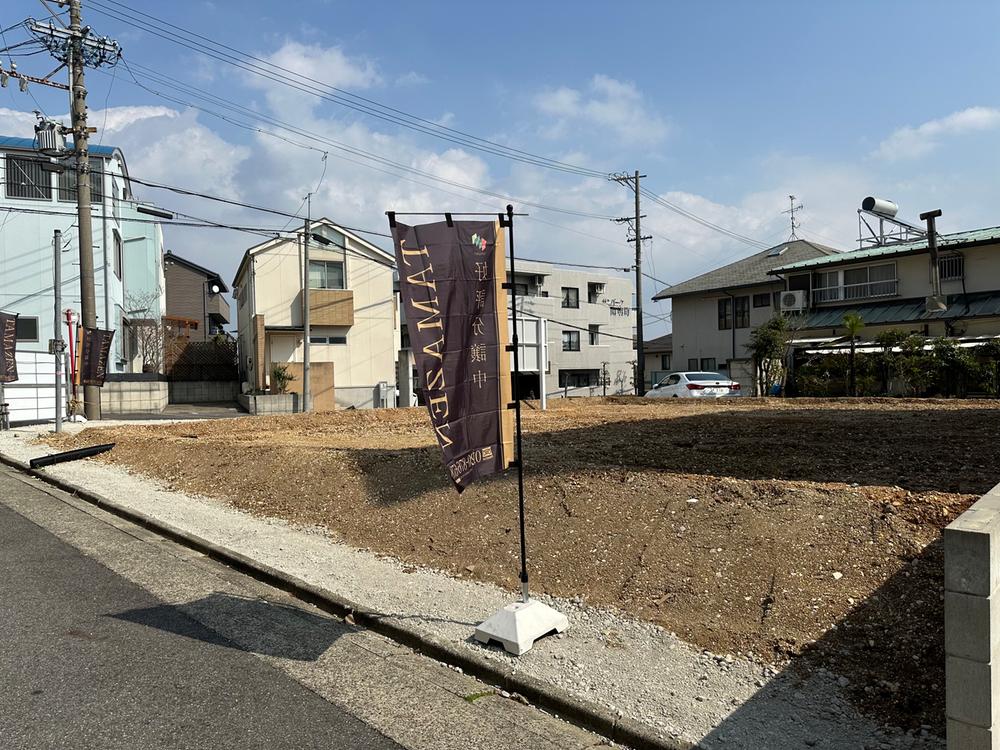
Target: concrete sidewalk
x,y
115,637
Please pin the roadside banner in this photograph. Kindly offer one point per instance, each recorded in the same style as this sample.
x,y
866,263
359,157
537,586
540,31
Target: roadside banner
x,y
94,352
8,347
450,280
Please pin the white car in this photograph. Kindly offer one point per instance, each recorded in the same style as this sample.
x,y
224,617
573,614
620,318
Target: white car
x,y
695,385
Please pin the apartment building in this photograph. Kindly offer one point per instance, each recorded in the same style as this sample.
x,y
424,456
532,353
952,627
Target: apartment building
x,y
590,327
354,342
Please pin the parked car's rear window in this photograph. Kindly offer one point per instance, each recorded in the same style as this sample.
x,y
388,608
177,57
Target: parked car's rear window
x,y
705,376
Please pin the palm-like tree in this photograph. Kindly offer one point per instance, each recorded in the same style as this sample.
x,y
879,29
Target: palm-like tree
x,y
853,323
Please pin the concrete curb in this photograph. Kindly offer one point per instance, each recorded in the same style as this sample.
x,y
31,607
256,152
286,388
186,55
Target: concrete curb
x,y
537,692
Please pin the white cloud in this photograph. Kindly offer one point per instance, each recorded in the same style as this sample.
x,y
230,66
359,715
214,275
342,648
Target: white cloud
x,y
412,78
607,105
331,65
912,142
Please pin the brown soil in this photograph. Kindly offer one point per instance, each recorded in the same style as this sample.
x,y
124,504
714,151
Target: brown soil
x,y
789,494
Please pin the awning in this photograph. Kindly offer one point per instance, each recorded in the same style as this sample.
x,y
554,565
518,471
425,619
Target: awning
x,y
978,305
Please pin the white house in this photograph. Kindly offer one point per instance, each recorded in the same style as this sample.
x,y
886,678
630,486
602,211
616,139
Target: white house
x,y
354,317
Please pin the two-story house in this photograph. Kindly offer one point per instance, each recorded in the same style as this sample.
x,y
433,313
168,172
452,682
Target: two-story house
x,y
196,306
353,315
888,287
714,313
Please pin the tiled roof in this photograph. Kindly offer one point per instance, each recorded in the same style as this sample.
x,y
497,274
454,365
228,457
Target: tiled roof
x,y
660,344
750,271
946,241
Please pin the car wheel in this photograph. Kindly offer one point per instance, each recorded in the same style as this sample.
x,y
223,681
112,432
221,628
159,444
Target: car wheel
x,y
675,395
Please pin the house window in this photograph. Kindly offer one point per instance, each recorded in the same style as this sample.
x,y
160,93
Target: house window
x,y
762,300
664,361
725,314
326,274
27,179
570,297
67,183
26,328
520,290
119,258
578,378
339,340
742,312
595,334
571,341
951,267
692,364
708,364
594,292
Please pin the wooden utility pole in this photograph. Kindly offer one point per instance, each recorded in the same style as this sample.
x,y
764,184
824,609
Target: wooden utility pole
x,y
78,113
640,344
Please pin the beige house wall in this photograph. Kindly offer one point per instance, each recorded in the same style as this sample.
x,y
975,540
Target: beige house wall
x,y
370,354
696,327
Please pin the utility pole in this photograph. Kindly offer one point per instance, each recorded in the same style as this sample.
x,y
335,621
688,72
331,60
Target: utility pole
x,y
640,344
306,385
77,47
57,342
78,112
604,377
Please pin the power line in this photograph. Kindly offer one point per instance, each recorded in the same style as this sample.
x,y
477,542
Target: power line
x,y
298,81
704,222
164,80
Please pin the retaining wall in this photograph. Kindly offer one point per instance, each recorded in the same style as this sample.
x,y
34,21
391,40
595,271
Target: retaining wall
x,y
972,625
133,397
279,403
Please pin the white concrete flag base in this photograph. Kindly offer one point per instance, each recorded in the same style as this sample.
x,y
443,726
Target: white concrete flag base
x,y
517,626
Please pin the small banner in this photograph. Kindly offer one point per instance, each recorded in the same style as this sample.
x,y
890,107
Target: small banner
x,y
456,311
94,351
8,347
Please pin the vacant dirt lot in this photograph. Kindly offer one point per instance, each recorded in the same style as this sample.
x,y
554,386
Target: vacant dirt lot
x,y
803,529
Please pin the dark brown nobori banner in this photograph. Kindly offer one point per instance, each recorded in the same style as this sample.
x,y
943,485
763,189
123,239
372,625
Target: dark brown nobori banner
x,y
94,353
8,347
450,281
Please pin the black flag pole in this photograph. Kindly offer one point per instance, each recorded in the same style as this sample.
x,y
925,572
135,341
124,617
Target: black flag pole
x,y
508,221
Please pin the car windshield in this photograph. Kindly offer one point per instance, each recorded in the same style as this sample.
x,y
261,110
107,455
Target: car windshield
x,y
705,376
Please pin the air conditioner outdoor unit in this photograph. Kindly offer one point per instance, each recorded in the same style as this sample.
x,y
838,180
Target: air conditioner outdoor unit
x,y
793,301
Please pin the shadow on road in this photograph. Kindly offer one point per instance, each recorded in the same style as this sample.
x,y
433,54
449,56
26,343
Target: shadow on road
x,y
245,624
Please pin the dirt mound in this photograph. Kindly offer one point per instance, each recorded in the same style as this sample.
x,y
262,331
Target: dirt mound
x,y
804,529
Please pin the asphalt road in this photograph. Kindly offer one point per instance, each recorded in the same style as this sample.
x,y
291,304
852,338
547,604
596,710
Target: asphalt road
x,y
113,637
79,671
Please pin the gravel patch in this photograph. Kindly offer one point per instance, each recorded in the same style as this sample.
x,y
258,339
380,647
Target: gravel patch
x,y
637,669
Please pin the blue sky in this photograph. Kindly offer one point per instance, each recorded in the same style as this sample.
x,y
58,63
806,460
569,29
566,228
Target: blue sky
x,y
728,107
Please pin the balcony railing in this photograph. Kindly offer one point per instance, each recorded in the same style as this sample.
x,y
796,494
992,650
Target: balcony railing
x,y
856,291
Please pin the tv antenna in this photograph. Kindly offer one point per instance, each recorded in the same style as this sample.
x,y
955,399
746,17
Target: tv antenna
x,y
792,208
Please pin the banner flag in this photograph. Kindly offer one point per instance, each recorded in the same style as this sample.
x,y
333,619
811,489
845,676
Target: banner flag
x,y
450,281
8,347
95,349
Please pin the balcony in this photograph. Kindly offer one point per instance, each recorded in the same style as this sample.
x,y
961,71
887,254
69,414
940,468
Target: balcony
x,y
851,292
331,307
217,309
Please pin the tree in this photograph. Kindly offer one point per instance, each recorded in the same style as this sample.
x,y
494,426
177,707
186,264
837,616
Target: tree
x,y
853,323
768,348
990,351
887,342
148,333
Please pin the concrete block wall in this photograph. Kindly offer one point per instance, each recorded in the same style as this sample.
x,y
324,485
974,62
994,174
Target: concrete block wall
x,y
278,403
133,397
203,391
972,626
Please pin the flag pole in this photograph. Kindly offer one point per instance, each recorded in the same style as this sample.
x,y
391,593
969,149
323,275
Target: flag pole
x,y
517,408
